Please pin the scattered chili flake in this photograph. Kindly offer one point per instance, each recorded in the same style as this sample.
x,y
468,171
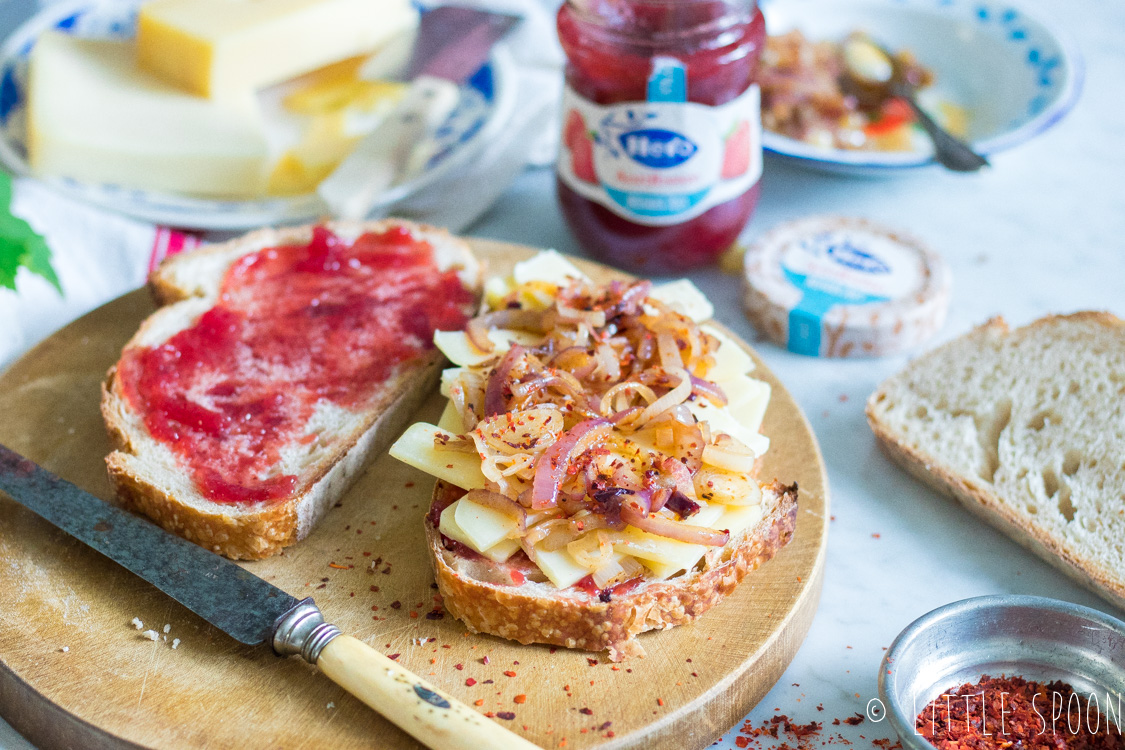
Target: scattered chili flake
x,y
604,726
505,715
854,721
435,615
660,701
586,711
375,589
409,484
414,615
338,567
521,698
592,662
876,536
509,673
478,702
485,660
393,657
470,682
458,666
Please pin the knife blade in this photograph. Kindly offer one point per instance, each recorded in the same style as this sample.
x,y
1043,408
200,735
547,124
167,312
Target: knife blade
x,y
453,42
249,609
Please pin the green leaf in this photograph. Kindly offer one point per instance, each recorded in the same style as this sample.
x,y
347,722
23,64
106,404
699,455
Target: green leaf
x,y
20,245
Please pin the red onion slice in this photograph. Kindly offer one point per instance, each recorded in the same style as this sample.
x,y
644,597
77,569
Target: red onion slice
x,y
494,400
634,515
552,465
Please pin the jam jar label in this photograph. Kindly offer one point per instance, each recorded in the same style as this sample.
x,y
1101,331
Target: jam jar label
x,y
661,161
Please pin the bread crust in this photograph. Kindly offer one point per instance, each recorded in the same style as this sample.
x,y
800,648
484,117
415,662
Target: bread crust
x,y
251,532
984,503
573,619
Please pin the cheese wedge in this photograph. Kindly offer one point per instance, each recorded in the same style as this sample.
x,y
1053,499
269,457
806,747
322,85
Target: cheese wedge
x,y
550,266
215,48
731,360
448,525
416,447
685,298
94,118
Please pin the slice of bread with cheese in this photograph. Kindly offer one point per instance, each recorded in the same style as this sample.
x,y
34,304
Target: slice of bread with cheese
x,y
151,476
530,608
597,461
1026,428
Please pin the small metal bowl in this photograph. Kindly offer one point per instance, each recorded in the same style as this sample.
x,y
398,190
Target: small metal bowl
x,y
1030,636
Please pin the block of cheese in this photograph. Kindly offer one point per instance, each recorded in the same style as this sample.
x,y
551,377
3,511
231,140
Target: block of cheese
x,y
95,118
216,47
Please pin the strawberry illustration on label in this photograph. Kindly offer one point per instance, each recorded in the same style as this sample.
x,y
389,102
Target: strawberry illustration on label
x,y
574,129
581,146
736,151
582,159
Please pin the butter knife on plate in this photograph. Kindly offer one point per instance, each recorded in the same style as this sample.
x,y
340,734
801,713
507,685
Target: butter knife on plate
x,y
453,43
251,610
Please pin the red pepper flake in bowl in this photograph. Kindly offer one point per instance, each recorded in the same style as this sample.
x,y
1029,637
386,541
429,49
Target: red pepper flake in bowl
x,y
1012,712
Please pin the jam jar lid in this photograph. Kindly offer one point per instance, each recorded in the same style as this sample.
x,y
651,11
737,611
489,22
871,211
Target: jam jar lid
x,y
834,286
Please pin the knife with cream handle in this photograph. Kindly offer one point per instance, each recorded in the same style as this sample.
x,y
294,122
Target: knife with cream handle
x,y
250,610
452,44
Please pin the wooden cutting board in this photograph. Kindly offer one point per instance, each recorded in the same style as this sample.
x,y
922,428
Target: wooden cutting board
x,y
74,672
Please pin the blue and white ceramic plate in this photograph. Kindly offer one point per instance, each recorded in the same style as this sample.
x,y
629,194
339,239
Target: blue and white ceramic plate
x,y
486,105
1014,75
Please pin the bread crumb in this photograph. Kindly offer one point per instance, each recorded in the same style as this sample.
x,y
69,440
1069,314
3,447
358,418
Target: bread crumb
x,y
150,634
65,649
167,628
175,643
138,624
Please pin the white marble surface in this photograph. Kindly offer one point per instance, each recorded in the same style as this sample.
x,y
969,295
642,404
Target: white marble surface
x,y
1042,232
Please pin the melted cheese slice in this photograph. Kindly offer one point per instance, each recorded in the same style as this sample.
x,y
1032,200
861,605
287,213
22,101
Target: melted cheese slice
x,y
460,350
722,420
550,266
731,360
451,421
450,526
416,448
685,298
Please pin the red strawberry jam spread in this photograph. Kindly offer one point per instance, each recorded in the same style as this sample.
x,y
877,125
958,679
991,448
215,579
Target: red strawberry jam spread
x,y
293,325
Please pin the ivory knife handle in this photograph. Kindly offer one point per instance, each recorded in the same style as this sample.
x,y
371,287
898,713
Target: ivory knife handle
x,y
431,716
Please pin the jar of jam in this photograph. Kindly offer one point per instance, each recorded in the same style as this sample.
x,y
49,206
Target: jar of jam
x,y
661,146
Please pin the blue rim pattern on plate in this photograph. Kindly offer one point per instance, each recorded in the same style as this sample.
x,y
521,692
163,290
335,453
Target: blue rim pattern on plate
x,y
1050,58
116,19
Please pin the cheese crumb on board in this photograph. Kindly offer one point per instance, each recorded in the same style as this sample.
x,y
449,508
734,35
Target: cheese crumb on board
x,y
152,635
138,624
167,628
175,643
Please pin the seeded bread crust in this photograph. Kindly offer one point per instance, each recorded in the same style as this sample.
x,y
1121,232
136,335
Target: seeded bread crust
x,y
146,474
925,462
540,613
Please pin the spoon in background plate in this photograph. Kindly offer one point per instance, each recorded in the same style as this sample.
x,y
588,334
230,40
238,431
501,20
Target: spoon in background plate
x,y
873,75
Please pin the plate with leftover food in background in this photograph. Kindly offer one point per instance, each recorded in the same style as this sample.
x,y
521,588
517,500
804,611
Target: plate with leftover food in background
x,y
244,156
987,72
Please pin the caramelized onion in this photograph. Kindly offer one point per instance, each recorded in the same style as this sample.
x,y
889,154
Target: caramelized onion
x,y
729,454
494,400
477,328
675,396
592,550
708,390
660,525
607,407
552,466
576,360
